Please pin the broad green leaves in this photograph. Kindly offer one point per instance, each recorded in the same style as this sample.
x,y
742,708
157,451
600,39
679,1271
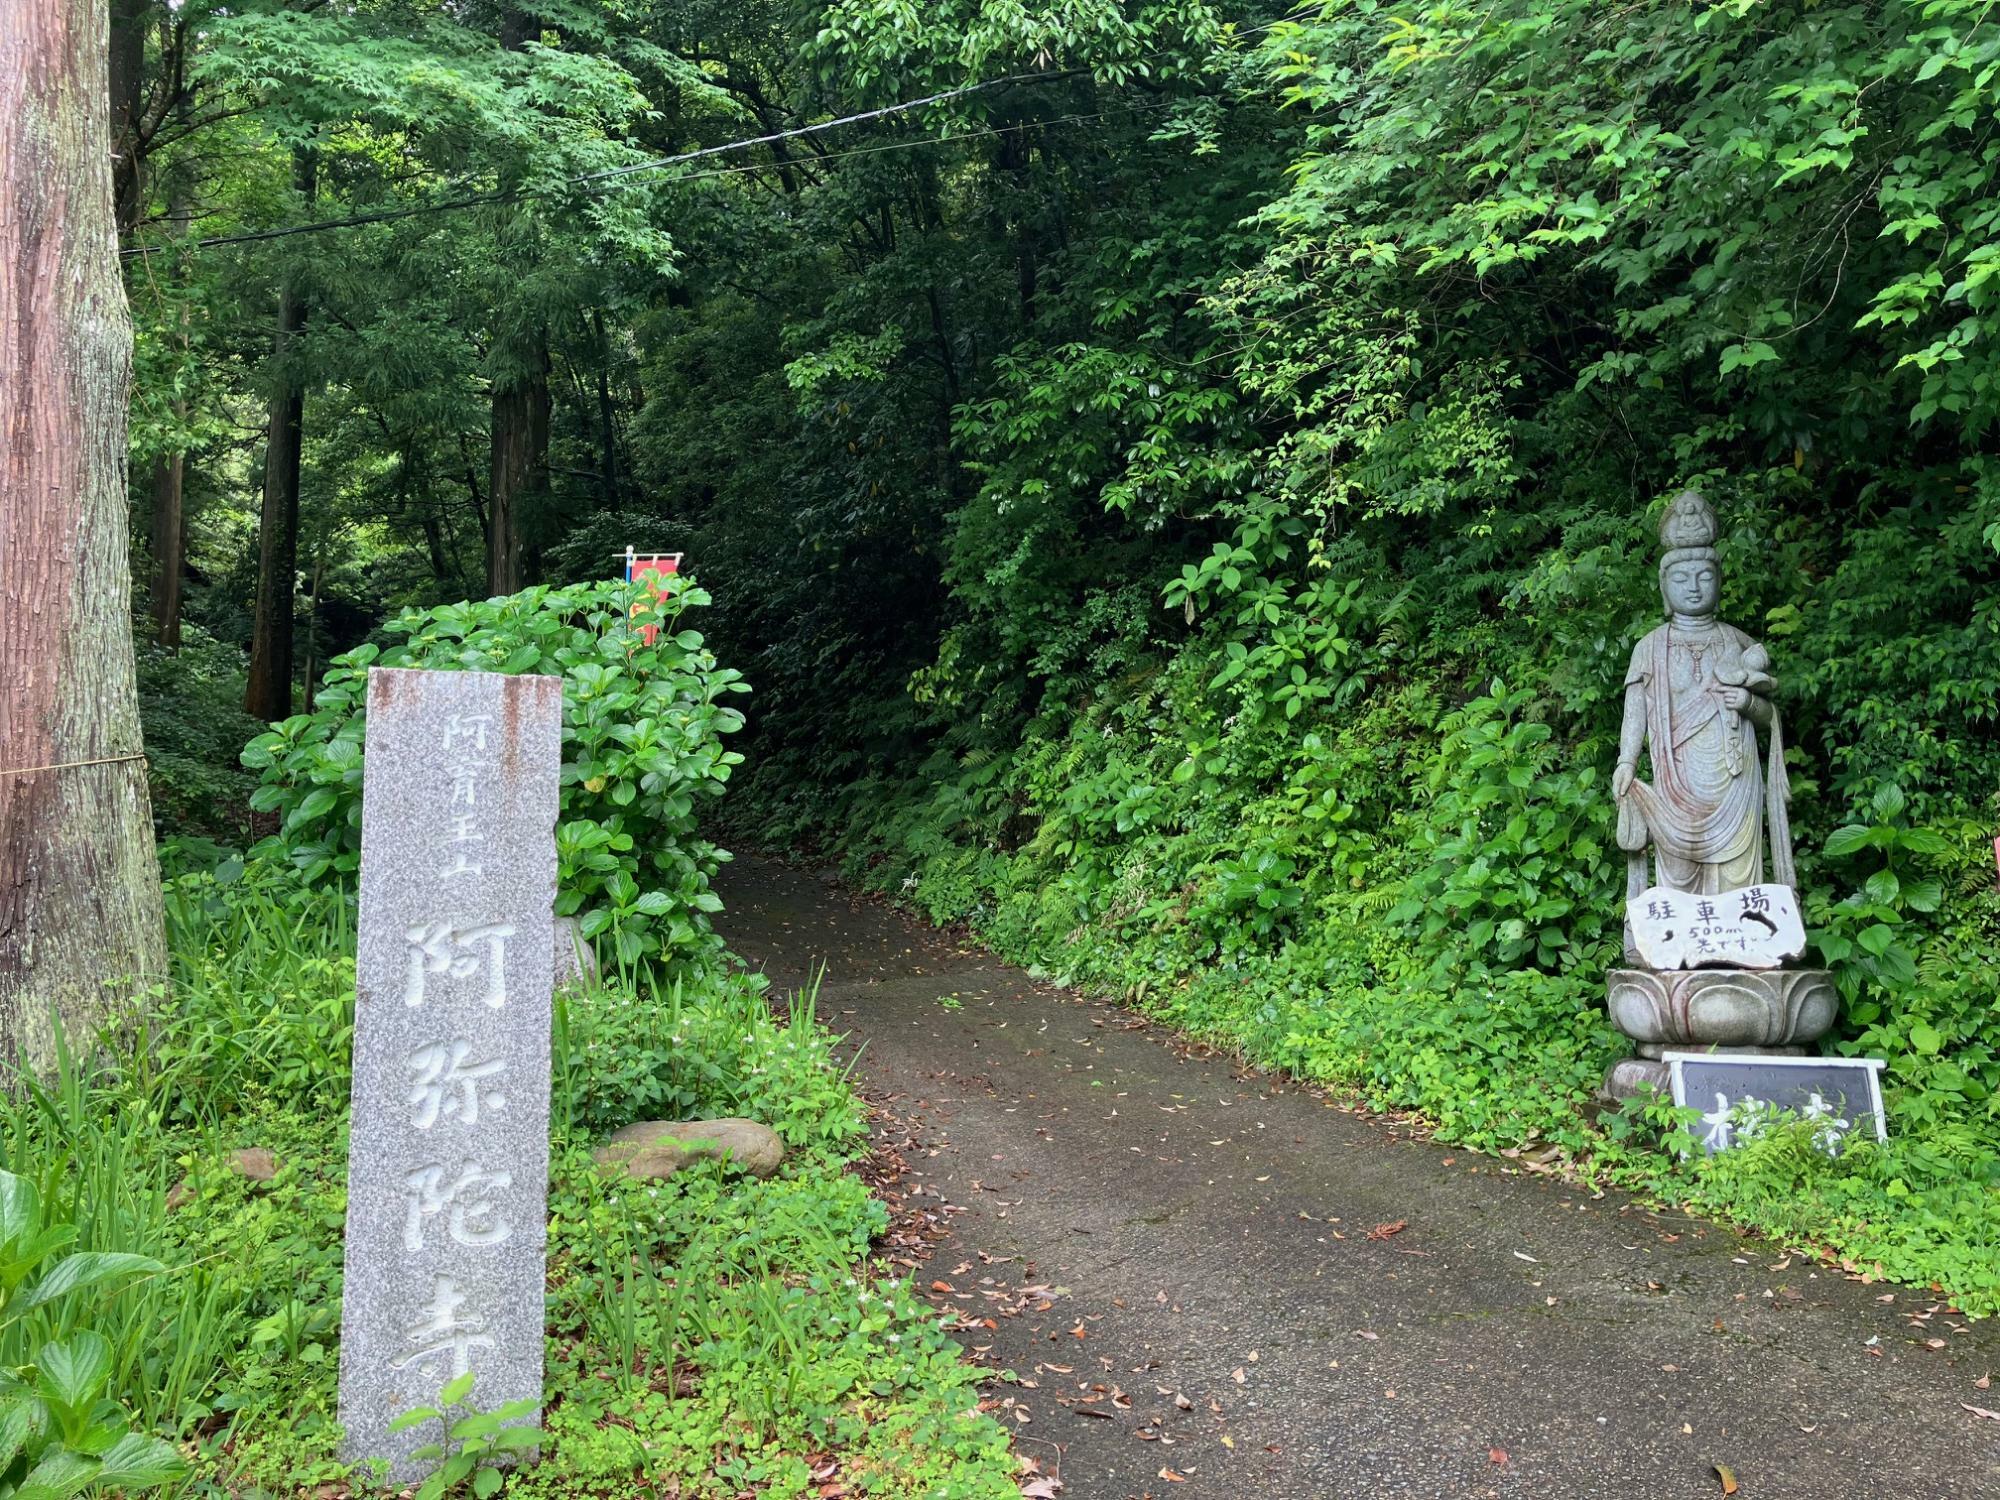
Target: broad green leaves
x,y
59,1433
642,752
83,1270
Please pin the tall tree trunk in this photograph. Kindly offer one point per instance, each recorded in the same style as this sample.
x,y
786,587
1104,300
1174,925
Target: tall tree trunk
x,y
169,549
127,77
312,613
269,693
434,544
169,528
607,414
520,467
472,489
81,932
1017,159
518,436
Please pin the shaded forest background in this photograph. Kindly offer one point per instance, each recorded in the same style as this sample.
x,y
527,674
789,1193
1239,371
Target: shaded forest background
x,y
1183,506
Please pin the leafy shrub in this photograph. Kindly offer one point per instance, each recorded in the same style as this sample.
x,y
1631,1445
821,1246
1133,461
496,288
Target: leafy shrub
x,y
1862,938
191,707
473,1445
60,1433
1247,899
1518,859
708,1331
642,751
662,1051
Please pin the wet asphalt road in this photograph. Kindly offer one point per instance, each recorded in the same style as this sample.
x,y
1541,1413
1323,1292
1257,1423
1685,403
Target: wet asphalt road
x,y
1220,1322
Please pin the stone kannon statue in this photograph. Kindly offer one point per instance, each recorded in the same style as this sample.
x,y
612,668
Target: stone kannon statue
x,y
1709,818
1696,694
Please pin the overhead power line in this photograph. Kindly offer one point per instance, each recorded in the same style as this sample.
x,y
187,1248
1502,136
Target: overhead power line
x,y
477,200
977,132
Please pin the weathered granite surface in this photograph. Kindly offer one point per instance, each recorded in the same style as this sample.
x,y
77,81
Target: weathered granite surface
x,y
1722,1007
448,1159
576,957
1705,937
1720,1010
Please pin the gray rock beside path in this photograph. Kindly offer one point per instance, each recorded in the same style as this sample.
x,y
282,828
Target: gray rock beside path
x,y
653,1150
254,1162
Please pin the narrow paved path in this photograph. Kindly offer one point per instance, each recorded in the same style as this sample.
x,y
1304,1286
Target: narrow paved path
x,y
1218,1309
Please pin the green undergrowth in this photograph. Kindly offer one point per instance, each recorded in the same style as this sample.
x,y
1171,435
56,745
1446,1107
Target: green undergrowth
x,y
643,726
1419,909
1510,1061
713,1335
1261,650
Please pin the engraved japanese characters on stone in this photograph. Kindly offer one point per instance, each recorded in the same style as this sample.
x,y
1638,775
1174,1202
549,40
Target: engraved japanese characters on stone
x,y
465,1194
439,1344
448,1165
452,1085
479,948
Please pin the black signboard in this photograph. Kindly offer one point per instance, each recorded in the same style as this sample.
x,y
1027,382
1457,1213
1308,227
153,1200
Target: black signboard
x,y
1844,1094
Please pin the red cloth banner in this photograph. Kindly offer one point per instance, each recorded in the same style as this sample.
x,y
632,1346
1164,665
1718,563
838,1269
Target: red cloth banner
x,y
655,566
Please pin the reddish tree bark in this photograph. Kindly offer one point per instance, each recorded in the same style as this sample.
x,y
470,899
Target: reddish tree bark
x,y
268,693
169,548
520,468
80,913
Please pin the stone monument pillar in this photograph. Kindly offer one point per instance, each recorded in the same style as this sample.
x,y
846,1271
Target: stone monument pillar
x,y
448,1162
1707,940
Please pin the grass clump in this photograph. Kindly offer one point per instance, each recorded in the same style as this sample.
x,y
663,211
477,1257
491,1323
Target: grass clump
x,y
706,1336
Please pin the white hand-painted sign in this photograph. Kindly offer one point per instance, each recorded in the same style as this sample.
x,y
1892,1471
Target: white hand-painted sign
x,y
1757,927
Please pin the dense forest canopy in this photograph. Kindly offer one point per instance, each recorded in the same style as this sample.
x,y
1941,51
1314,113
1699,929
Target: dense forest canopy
x,y
1183,497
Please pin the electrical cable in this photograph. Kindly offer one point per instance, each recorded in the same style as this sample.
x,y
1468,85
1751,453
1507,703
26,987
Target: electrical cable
x,y
480,200
977,132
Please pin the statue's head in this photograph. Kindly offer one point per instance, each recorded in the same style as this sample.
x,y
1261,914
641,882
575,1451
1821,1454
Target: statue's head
x,y
1690,570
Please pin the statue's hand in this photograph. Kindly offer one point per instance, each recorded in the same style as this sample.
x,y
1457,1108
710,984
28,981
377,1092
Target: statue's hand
x,y
1621,780
1735,699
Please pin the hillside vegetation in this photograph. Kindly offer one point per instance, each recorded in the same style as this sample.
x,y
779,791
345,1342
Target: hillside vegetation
x,y
1184,506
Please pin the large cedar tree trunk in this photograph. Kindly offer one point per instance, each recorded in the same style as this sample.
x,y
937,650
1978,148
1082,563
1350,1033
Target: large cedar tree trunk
x,y
169,550
269,692
169,529
127,78
169,471
520,467
518,438
80,913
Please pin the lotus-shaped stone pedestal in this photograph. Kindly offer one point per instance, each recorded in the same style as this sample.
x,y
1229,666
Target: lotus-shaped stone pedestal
x,y
1723,1010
